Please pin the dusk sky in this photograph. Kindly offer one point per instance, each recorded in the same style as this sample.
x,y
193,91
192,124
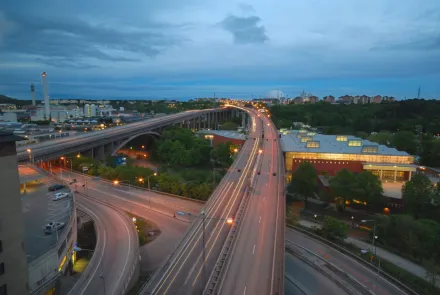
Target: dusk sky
x,y
175,49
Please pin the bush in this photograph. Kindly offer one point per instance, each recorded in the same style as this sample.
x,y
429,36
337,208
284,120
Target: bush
x,y
334,229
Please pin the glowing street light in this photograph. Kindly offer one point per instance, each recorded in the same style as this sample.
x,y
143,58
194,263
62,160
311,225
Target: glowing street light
x,y
229,221
116,182
260,151
235,150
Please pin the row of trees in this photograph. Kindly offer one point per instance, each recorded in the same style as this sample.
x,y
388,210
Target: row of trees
x,y
344,186
421,198
179,147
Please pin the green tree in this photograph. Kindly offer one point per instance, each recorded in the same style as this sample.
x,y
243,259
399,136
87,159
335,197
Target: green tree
x,y
417,195
343,187
304,181
369,188
334,229
221,153
228,126
405,141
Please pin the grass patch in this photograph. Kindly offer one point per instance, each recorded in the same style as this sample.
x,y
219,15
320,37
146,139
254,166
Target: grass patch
x,y
147,230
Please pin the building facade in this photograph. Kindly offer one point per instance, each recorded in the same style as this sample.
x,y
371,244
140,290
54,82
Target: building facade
x,y
13,264
332,153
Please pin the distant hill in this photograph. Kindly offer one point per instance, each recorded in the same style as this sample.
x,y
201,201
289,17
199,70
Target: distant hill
x,y
17,102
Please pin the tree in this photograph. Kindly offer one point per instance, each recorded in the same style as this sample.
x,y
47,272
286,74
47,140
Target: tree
x,y
304,181
405,141
343,187
369,188
221,153
228,126
417,194
334,228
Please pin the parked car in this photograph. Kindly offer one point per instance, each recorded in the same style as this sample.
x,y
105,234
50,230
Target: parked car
x,y
59,196
52,227
56,187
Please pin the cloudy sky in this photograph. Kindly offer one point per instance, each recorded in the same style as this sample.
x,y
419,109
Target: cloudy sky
x,y
181,49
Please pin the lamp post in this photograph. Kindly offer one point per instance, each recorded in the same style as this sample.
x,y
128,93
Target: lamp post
x,y
101,276
154,174
210,137
30,155
229,221
374,233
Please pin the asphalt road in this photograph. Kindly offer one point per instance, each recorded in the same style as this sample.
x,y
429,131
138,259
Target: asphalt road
x,y
367,277
186,272
302,279
254,265
137,202
114,254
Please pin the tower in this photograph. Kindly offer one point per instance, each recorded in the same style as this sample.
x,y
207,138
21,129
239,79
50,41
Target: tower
x,y
46,97
33,94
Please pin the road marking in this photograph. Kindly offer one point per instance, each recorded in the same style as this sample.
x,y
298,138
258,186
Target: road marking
x,y
244,292
253,251
264,198
259,220
241,183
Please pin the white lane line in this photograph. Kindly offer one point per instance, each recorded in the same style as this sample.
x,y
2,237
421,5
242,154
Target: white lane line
x,y
253,251
244,292
259,220
264,198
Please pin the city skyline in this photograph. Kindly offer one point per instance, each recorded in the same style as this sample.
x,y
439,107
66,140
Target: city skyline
x,y
180,50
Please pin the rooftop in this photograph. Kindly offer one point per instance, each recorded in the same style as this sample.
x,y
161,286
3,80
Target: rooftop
x,y
311,142
27,174
224,133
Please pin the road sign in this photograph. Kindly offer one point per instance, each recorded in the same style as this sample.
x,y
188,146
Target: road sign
x,y
84,169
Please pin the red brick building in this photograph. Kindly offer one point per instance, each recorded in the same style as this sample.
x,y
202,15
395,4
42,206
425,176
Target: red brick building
x,y
332,153
218,136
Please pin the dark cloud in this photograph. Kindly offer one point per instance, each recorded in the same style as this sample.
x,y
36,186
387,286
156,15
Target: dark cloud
x,y
69,40
245,29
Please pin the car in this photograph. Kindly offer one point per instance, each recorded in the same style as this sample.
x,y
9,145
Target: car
x,y
274,174
56,187
52,227
59,196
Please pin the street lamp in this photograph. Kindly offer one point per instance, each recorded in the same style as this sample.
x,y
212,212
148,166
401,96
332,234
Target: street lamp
x,y
260,151
30,155
374,233
210,137
229,221
148,178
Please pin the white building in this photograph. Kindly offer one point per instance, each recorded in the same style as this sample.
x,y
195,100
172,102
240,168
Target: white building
x,y
90,110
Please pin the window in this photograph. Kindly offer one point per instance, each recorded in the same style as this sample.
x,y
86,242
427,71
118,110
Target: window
x,y
311,133
312,144
2,268
355,143
306,138
369,149
341,138
3,290
1,246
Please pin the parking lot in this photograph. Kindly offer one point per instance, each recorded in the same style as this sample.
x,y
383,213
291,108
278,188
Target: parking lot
x,y
38,210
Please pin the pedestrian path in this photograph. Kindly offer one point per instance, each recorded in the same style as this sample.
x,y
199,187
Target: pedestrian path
x,y
406,264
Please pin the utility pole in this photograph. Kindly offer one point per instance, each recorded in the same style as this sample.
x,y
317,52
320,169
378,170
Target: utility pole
x,y
204,254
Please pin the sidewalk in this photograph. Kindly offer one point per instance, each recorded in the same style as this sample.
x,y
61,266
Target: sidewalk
x,y
410,266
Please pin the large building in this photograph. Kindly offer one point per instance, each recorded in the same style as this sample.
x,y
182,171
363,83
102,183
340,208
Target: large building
x,y
13,265
332,153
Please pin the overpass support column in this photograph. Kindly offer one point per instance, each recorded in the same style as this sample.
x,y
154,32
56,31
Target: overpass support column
x,y
199,119
98,153
209,121
108,148
88,153
243,120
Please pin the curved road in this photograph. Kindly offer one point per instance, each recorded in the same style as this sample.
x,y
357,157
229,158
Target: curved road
x,y
116,247
367,277
138,202
302,279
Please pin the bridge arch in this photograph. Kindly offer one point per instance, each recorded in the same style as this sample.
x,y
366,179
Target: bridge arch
x,y
124,142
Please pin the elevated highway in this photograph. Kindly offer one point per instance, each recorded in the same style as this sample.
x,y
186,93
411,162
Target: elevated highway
x,y
256,263
105,142
187,269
